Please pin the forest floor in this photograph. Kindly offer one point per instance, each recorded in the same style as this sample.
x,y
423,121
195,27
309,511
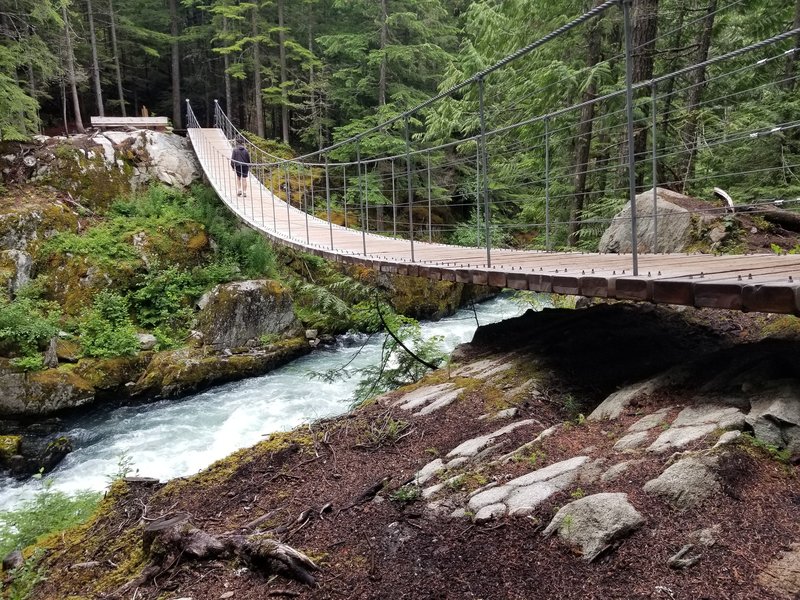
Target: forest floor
x,y
342,492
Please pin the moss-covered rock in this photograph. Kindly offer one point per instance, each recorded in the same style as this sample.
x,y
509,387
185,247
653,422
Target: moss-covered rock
x,y
110,377
30,217
179,372
9,446
42,392
238,314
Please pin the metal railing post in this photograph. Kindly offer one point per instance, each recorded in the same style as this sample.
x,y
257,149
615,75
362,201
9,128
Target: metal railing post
x,y
394,205
344,192
288,202
311,169
430,214
272,193
626,12
261,194
305,209
410,191
328,199
361,196
485,165
547,184
654,135
477,193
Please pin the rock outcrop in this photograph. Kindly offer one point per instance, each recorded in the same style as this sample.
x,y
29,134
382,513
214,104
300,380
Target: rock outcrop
x,y
239,314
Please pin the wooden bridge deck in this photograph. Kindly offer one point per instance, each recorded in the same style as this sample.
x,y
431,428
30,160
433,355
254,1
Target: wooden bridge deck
x,y
756,282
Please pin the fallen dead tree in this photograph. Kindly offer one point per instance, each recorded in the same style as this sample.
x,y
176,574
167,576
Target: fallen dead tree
x,y
171,539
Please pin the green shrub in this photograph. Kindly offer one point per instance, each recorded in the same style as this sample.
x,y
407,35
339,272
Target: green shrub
x,y
24,579
27,324
29,363
106,329
47,512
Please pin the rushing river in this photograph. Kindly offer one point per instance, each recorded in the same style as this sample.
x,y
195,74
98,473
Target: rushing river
x,y
173,438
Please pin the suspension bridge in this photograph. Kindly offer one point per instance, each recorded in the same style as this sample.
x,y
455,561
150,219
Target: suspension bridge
x,y
302,202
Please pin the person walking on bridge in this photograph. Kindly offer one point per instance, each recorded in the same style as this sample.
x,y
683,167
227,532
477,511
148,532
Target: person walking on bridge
x,y
240,163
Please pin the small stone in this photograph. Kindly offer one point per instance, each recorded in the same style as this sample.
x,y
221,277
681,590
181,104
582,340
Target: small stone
x,y
679,437
147,341
650,421
13,560
311,334
226,595
727,438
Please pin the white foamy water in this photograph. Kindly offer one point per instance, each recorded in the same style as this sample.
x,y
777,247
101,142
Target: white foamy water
x,y
173,438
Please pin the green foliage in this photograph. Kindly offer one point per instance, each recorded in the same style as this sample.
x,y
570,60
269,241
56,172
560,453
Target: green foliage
x,y
47,512
398,367
106,329
125,466
406,494
781,455
27,324
29,363
24,579
382,431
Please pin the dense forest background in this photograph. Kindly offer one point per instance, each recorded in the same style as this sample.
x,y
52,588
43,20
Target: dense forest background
x,y
312,72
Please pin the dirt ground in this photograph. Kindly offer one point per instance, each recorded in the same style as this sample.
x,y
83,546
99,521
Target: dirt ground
x,y
318,489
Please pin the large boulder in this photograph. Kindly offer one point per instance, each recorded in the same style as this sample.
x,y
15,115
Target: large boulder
x,y
42,392
595,522
674,225
237,314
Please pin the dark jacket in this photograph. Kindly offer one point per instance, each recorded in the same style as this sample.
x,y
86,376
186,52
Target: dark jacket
x,y
239,155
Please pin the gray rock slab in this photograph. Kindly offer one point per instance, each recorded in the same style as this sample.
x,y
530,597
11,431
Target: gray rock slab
x,y
549,472
649,421
687,482
491,496
432,490
615,404
473,446
508,413
487,513
725,417
484,369
421,396
457,462
678,437
775,416
523,501
428,471
782,575
439,403
632,441
594,522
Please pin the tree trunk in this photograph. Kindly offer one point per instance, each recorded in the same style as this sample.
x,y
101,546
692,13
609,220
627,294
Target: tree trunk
x,y
71,79
259,103
115,49
98,90
583,141
666,108
282,55
384,42
176,64
226,77
695,94
791,60
645,27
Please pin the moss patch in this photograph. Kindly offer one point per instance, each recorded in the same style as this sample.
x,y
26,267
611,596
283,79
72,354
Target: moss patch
x,y
9,446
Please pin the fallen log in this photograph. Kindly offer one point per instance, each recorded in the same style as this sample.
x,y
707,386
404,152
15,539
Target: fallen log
x,y
170,539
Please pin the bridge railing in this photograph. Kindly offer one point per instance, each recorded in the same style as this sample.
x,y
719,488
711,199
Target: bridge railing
x,y
517,159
